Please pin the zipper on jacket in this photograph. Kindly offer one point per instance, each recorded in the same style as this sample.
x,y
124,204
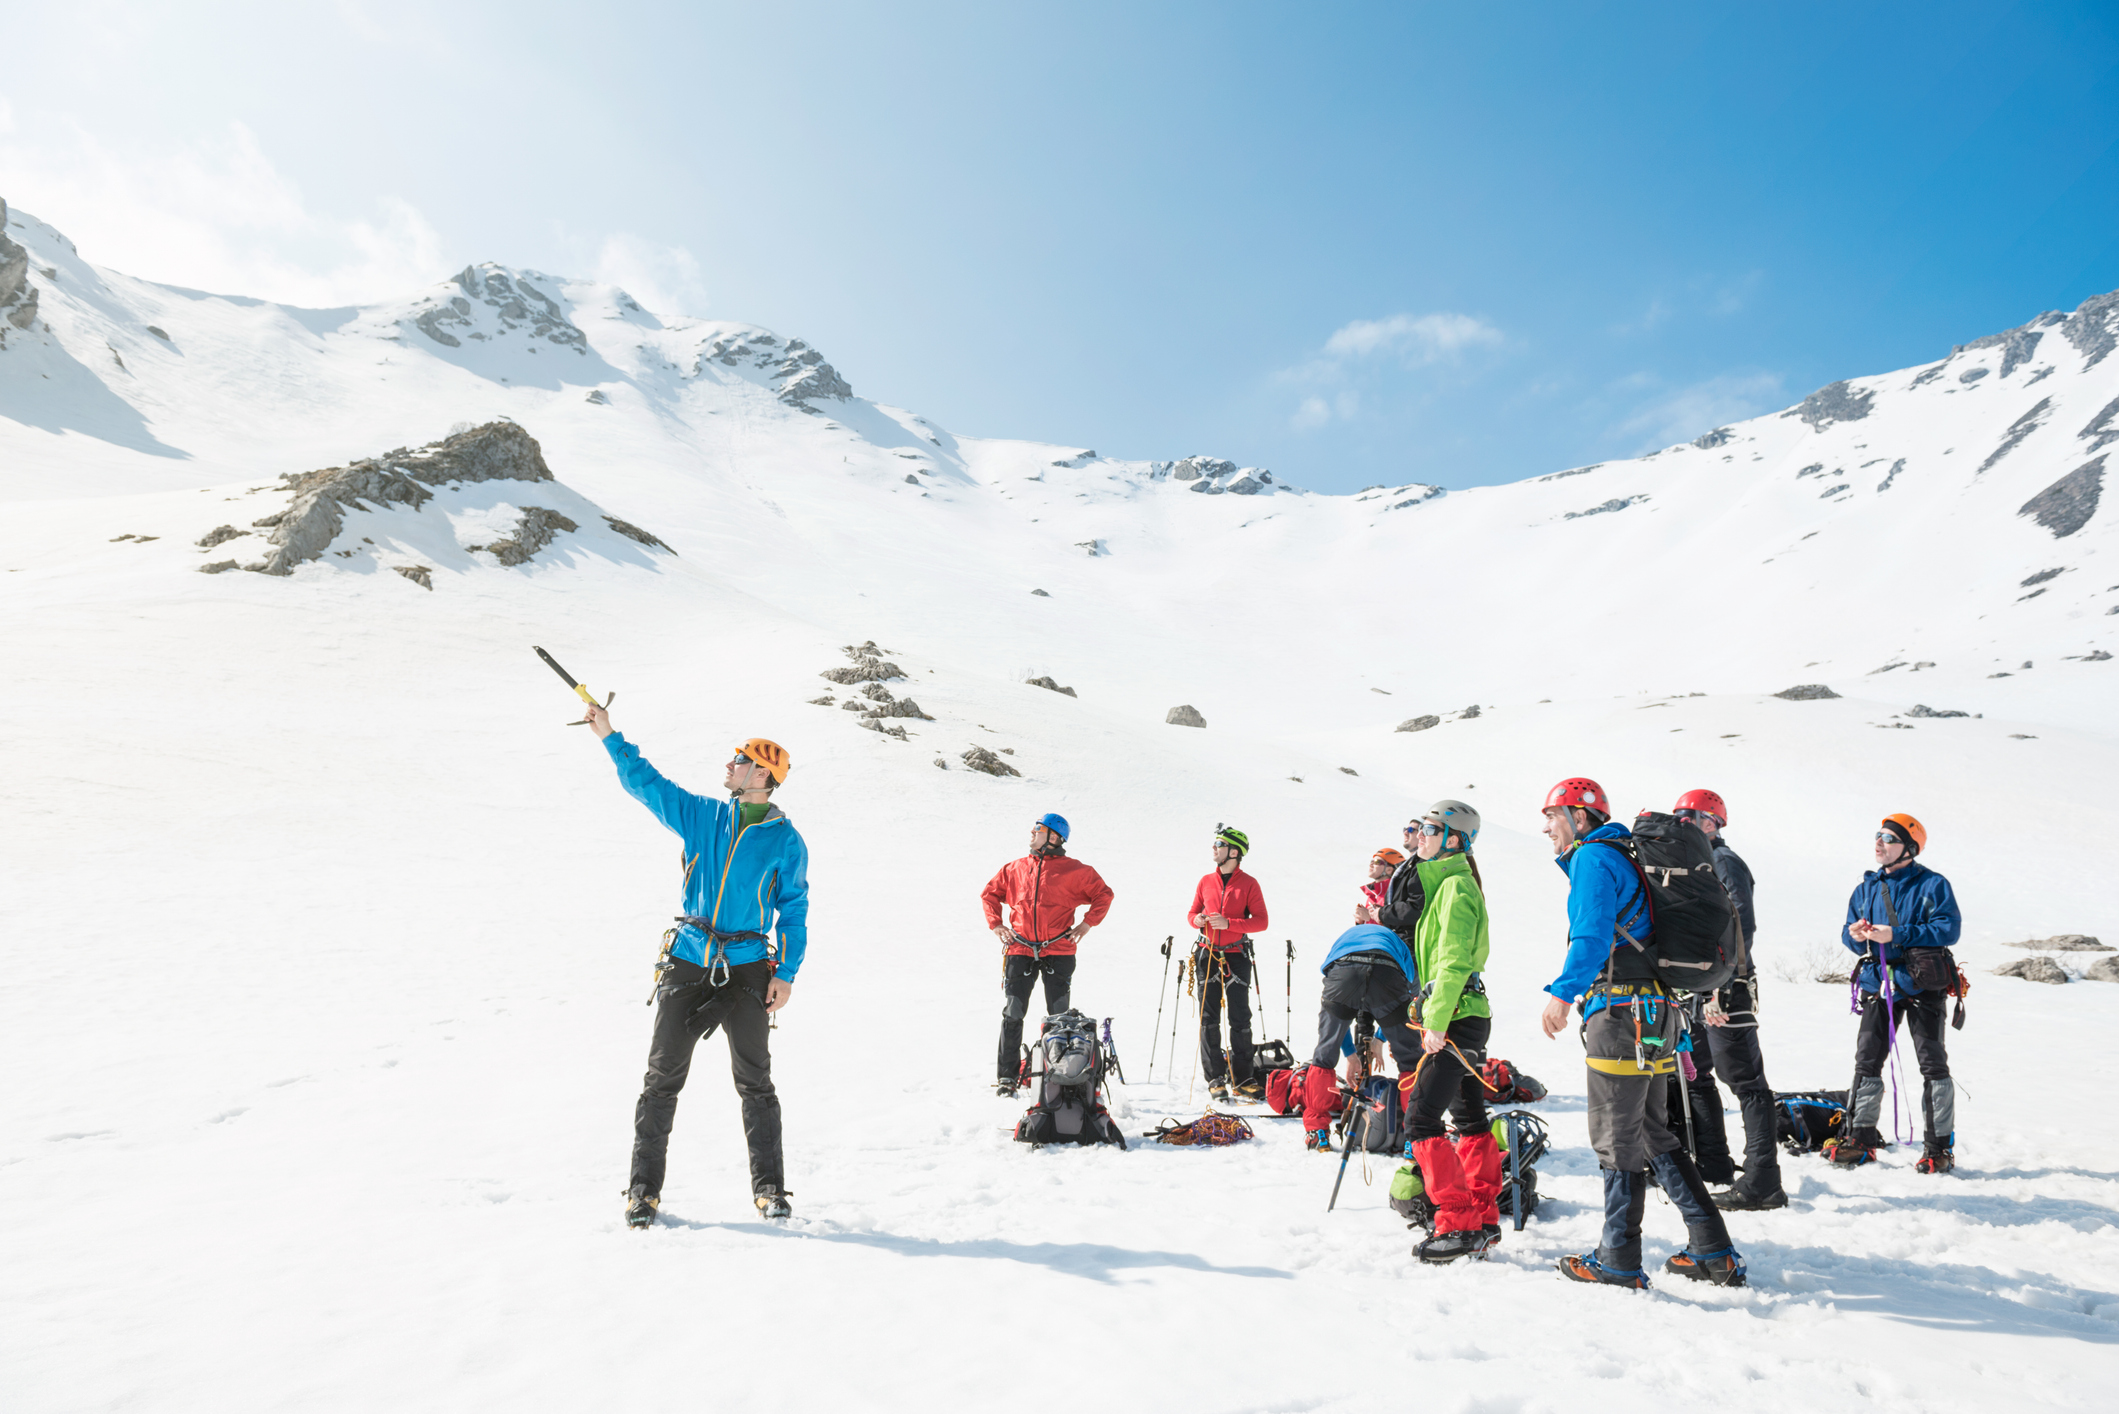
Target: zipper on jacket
x,y
714,919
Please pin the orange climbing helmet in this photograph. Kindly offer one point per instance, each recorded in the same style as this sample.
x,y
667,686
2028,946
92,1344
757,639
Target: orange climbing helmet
x,y
1910,831
1389,856
769,754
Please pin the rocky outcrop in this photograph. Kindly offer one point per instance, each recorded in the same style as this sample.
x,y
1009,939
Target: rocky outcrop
x,y
1921,709
1185,716
1419,724
2104,969
498,451
219,535
868,665
420,575
514,302
2067,505
1212,476
1806,692
2066,942
1720,437
633,532
2021,428
18,297
2094,327
980,759
1050,686
533,531
1616,503
796,372
2016,345
2101,428
2034,969
882,704
1835,402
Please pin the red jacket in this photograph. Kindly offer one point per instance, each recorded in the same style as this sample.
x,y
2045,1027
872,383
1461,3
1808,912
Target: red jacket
x,y
1235,898
1376,892
1042,895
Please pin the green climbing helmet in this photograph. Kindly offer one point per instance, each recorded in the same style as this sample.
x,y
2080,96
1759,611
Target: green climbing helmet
x,y
1229,834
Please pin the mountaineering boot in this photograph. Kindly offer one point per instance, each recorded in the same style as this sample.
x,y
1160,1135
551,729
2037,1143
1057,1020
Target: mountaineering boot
x,y
773,1205
1449,1246
1723,1268
1761,1174
640,1206
1253,1090
1317,1139
1936,1161
1489,1237
1741,1200
1587,1268
1005,1089
1854,1149
1218,1093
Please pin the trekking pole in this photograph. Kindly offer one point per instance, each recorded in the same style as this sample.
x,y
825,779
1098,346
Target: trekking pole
x,y
1199,1004
1156,1039
1353,1122
1111,1050
1515,1166
1287,998
568,679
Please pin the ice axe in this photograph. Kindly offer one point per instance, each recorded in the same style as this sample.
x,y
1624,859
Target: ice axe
x,y
568,678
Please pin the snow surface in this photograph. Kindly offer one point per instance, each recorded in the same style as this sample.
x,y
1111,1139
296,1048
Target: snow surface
x,y
326,942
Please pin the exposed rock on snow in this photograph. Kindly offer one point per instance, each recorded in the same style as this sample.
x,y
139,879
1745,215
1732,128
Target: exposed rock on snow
x,y
598,397
217,567
634,532
1050,686
2101,428
1920,709
1835,402
2021,428
868,666
1419,724
2094,327
516,303
1213,477
1185,716
18,297
1468,713
220,534
1616,503
794,370
874,725
1041,594
1719,437
882,704
2034,969
1095,548
2104,969
1891,475
533,531
2065,942
1973,375
980,759
420,575
2067,505
1806,692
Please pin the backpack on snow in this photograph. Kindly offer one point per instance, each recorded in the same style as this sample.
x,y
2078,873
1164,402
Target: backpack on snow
x,y
1695,941
1519,1173
1377,1115
1068,1066
1509,1086
1804,1119
1268,1056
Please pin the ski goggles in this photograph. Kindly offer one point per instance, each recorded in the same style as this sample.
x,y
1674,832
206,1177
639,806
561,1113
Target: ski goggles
x,y
1695,816
1427,827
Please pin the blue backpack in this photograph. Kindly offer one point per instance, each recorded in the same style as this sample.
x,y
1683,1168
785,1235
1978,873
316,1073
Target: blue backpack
x,y
1805,1119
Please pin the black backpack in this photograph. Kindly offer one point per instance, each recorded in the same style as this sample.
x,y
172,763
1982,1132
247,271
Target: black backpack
x,y
1377,1116
1695,942
1068,1066
1805,1119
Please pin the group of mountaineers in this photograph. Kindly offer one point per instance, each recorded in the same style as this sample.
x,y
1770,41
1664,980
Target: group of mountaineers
x,y
1649,910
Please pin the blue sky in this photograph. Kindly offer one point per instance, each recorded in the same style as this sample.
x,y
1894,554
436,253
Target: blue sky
x,y
1354,243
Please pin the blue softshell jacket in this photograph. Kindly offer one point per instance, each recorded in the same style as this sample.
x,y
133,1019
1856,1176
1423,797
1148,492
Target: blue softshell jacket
x,y
737,883
1602,892
1374,937
1927,918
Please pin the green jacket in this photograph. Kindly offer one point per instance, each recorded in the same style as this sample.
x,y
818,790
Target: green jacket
x,y
1450,943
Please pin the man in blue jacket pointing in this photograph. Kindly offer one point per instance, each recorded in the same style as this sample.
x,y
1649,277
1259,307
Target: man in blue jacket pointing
x,y
729,964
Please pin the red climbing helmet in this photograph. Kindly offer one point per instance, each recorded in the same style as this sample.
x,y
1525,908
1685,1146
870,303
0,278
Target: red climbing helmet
x,y
1707,803
1582,791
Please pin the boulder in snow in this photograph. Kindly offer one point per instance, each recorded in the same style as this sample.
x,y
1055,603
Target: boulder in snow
x,y
1419,724
980,759
1921,709
1050,686
1185,716
1835,402
2104,969
2034,969
1806,692
2066,942
420,575
533,531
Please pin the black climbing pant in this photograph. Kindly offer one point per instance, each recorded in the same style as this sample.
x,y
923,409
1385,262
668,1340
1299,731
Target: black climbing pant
x,y
689,1010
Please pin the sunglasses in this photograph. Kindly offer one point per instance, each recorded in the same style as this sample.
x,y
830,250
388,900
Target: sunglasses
x,y
1700,815
1426,827
1886,837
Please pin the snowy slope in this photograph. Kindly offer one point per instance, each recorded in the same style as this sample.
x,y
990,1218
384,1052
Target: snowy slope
x,y
326,941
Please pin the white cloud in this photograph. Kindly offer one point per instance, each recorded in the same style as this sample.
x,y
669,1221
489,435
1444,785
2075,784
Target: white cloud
x,y
214,215
1426,338
665,278
1673,415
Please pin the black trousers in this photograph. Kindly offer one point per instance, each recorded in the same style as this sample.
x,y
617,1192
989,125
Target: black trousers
x,y
1366,983
1224,975
1018,976
1734,1051
1924,1015
1444,1084
687,1012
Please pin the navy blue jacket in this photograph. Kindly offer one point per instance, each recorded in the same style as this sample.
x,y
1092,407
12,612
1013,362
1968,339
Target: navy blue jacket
x,y
1927,918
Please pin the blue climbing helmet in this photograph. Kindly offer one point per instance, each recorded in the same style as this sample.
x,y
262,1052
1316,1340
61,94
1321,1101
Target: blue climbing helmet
x,y
1055,823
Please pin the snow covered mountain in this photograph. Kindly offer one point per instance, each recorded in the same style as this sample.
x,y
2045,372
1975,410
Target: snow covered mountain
x,y
381,926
